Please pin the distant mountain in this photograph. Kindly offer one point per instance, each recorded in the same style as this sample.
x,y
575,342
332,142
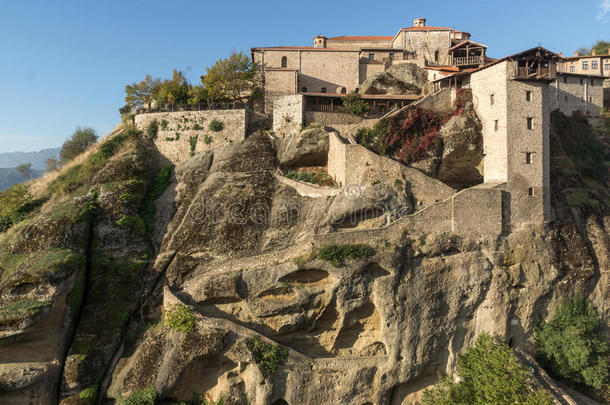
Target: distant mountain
x,y
10,176
14,159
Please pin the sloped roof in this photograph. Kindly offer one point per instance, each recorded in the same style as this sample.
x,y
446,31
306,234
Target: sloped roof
x,y
466,41
361,38
425,28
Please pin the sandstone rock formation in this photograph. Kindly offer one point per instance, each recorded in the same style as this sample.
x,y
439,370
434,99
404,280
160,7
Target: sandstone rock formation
x,y
405,78
239,249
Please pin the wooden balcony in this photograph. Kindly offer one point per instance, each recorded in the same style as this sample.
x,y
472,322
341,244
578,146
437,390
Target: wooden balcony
x,y
467,60
537,73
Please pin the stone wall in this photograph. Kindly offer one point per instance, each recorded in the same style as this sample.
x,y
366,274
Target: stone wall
x,y
288,115
307,189
176,129
425,44
440,101
332,118
577,93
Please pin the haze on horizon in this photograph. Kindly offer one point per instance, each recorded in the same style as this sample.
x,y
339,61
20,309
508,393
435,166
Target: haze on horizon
x,y
67,65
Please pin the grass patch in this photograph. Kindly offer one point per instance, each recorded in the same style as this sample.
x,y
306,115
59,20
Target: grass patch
x,y
77,176
268,357
14,313
145,396
193,143
133,222
153,129
312,175
89,392
337,254
179,317
15,204
158,187
45,264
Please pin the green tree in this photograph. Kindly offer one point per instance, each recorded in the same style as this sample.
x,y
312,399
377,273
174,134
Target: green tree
x,y
142,93
25,169
489,374
197,95
81,139
571,345
233,78
601,48
174,91
51,165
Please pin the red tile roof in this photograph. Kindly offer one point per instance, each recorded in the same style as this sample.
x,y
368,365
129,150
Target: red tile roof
x,y
361,38
448,68
303,48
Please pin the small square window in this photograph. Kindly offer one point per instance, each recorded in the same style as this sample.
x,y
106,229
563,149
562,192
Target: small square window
x,y
491,99
530,191
496,125
530,123
371,56
528,96
594,65
529,157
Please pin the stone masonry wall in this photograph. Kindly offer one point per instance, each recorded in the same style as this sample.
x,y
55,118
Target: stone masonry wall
x,y
332,118
288,115
176,129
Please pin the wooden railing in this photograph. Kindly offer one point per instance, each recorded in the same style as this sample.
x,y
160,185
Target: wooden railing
x,y
533,73
470,60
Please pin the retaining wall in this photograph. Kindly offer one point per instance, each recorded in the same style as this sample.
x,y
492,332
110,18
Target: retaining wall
x,y
176,129
288,115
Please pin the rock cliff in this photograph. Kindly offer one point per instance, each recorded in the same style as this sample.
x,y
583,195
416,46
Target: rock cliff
x,y
106,255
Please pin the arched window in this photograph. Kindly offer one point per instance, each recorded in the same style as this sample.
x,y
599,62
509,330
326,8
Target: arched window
x,y
284,61
323,90
303,89
343,90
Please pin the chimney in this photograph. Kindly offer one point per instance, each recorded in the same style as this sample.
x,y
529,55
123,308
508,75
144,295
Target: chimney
x,y
593,53
319,41
575,53
560,53
419,22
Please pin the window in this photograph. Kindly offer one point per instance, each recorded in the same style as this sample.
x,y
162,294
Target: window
x,y
566,98
343,90
585,66
592,82
528,95
496,125
303,89
391,56
607,66
565,79
371,56
581,82
284,61
529,157
323,90
436,56
530,123
491,99
530,191
594,64
572,69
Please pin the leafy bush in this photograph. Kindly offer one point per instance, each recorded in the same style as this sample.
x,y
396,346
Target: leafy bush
x,y
336,254
571,345
146,396
207,139
197,127
164,124
180,317
89,392
158,186
354,104
269,357
88,209
126,109
81,139
153,129
216,125
489,374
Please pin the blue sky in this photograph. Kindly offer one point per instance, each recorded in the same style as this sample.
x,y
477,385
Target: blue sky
x,y
65,63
